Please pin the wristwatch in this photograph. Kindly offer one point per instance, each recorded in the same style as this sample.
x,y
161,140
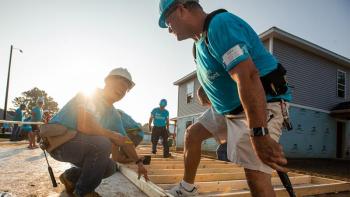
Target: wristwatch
x,y
259,131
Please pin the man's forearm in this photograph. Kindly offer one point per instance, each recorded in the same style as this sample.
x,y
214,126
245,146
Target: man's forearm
x,y
254,102
119,156
131,152
251,93
150,123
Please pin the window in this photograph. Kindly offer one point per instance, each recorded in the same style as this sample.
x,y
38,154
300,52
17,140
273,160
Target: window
x,y
341,86
189,92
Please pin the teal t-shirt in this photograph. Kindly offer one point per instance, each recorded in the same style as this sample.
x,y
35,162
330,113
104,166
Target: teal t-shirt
x,y
37,114
160,117
27,127
130,124
19,115
231,41
107,116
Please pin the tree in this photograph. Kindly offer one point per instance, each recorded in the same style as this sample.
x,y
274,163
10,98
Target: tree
x,y
30,97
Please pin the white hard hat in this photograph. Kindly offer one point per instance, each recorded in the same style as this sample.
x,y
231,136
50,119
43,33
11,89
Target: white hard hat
x,y
122,72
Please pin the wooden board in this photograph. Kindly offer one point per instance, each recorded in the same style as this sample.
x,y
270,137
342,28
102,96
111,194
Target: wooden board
x,y
20,122
219,178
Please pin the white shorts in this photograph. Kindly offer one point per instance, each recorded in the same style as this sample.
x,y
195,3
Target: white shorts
x,y
239,146
215,123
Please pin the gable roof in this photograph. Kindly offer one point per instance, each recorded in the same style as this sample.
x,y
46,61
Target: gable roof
x,y
275,32
185,78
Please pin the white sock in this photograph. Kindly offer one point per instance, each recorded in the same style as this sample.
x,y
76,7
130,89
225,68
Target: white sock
x,y
187,186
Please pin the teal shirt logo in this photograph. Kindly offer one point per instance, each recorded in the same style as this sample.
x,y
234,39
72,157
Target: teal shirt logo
x,y
160,117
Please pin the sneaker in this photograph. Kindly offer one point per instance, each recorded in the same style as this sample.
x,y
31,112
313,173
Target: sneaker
x,y
179,191
69,185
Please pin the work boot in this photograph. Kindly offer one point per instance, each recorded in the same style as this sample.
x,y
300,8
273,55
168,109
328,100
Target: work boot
x,y
180,191
69,185
91,194
167,155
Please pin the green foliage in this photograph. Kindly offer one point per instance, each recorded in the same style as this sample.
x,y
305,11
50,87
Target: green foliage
x,y
30,97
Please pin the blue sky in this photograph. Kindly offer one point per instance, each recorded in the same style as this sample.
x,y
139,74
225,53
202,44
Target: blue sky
x,y
71,45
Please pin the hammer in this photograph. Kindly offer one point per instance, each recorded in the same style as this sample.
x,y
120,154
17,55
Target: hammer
x,y
286,183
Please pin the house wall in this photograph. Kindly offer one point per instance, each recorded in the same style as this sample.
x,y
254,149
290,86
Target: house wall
x,y
313,135
188,108
313,79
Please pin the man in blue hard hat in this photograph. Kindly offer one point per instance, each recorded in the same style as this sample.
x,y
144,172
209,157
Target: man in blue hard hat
x,y
243,81
160,119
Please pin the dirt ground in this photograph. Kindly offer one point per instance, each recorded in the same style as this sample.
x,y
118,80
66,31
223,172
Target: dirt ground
x,y
329,168
24,173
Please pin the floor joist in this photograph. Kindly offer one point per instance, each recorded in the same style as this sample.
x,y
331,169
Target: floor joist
x,y
218,178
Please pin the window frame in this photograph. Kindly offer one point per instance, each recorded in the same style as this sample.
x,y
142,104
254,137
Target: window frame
x,y
189,96
338,74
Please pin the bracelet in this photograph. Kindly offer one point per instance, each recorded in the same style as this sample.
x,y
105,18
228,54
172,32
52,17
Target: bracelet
x,y
138,161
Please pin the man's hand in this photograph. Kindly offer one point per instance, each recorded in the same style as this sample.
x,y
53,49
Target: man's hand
x,y
118,139
269,152
142,171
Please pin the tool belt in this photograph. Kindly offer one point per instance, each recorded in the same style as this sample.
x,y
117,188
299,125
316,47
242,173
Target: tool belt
x,y
54,135
275,82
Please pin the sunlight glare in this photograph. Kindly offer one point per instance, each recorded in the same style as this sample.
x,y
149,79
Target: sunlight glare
x,y
88,90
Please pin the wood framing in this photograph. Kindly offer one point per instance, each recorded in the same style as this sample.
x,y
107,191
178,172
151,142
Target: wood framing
x,y
219,178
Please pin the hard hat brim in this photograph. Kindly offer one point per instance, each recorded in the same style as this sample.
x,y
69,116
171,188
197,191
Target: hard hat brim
x,y
132,84
161,21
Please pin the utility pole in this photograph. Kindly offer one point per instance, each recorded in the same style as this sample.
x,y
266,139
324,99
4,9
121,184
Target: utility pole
x,y
8,80
8,83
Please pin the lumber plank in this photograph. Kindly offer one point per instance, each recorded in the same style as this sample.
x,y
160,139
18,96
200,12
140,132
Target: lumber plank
x,y
300,190
227,186
181,166
172,172
203,177
181,162
322,180
148,188
218,178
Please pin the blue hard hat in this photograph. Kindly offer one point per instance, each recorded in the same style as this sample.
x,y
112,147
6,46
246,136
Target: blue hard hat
x,y
164,6
163,102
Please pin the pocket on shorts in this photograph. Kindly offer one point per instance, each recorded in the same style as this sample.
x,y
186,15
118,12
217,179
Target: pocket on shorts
x,y
274,124
235,131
